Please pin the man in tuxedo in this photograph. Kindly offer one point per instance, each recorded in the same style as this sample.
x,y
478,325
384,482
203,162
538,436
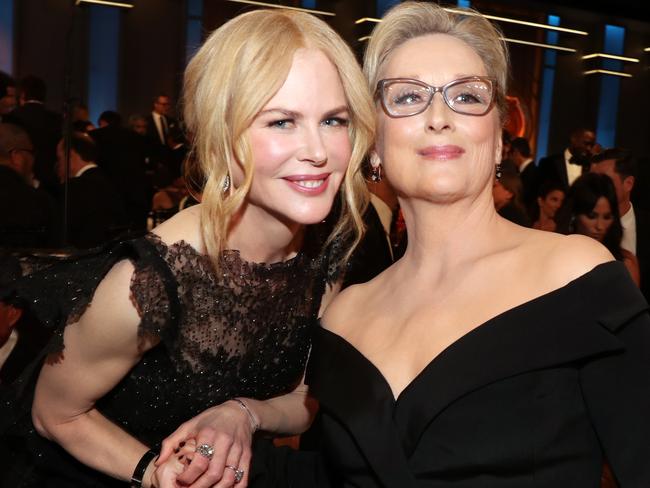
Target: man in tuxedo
x,y
520,155
27,214
43,126
566,167
621,167
159,120
95,209
8,98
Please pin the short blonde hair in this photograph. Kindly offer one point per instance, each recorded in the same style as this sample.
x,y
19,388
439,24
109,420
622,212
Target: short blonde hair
x,y
409,20
231,78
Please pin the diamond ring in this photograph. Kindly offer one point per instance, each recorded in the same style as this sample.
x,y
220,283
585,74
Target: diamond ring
x,y
205,450
239,473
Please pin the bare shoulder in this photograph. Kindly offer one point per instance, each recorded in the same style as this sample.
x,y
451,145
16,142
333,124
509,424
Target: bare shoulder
x,y
563,258
111,315
343,308
184,226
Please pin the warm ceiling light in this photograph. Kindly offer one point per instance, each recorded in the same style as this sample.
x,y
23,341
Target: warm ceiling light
x,y
610,56
364,38
647,49
608,72
106,2
367,19
494,17
539,44
275,5
520,22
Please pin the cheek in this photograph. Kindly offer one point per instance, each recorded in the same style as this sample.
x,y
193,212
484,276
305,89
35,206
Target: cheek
x,y
583,223
270,152
339,149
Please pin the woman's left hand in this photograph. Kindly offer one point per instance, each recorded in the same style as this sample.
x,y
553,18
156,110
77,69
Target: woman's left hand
x,y
223,436
166,473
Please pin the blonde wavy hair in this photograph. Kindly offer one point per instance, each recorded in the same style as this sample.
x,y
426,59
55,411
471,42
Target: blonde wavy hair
x,y
228,82
409,20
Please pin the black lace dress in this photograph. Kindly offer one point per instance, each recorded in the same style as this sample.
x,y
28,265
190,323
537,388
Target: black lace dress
x,y
245,331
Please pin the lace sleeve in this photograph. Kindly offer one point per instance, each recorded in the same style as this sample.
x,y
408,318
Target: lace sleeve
x,y
154,293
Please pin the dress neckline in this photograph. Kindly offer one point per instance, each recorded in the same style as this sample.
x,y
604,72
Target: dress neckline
x,y
229,257
465,337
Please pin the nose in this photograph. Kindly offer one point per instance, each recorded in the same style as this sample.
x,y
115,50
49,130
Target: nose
x,y
438,114
313,150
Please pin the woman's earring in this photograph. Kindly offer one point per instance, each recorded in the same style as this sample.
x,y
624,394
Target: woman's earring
x,y
375,175
226,184
375,164
499,172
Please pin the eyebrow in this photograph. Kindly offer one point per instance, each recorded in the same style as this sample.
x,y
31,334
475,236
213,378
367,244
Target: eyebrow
x,y
297,115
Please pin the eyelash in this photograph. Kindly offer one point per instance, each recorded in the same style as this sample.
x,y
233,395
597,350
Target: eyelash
x,y
331,121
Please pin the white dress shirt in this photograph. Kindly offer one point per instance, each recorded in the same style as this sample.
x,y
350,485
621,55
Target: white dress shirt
x,y
573,171
628,221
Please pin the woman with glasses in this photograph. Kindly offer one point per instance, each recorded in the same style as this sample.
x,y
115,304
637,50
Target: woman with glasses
x,y
215,308
490,355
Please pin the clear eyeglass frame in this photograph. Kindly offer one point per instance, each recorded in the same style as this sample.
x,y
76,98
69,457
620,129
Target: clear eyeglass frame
x,y
382,85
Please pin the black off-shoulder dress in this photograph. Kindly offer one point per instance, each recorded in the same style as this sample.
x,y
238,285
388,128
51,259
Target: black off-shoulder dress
x,y
244,331
537,396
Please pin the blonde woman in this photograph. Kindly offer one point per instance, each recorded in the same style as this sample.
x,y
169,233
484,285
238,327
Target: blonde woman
x,y
215,307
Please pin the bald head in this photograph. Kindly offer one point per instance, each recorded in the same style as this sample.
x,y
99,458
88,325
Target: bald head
x,y
16,150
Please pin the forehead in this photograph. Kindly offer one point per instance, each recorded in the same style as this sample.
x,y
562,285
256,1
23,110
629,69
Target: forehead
x,y
608,166
163,100
312,81
435,58
602,205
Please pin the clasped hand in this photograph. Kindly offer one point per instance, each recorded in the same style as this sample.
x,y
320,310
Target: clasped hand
x,y
228,430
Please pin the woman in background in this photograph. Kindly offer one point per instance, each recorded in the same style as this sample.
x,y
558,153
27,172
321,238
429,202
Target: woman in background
x,y
549,201
591,209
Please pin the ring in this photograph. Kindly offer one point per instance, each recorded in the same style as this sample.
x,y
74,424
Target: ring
x,y
205,450
239,473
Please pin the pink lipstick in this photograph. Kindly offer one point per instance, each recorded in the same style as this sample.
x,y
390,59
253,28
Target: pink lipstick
x,y
441,153
309,184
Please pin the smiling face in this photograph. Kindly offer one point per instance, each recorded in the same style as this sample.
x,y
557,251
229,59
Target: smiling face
x,y
300,144
596,223
438,155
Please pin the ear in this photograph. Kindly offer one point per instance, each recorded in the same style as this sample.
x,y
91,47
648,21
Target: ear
x,y
628,183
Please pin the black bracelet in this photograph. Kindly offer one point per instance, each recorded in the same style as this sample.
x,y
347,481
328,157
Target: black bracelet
x,y
138,473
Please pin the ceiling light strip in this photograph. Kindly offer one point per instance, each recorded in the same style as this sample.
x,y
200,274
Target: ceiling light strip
x,y
610,56
647,49
608,72
106,2
539,44
499,19
275,5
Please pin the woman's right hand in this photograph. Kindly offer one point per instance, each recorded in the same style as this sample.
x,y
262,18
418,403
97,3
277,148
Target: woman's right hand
x,y
228,430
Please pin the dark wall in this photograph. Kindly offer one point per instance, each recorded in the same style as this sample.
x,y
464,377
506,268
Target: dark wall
x,y
152,50
41,30
152,53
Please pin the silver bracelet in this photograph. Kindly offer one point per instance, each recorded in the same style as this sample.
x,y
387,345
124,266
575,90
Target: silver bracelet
x,y
254,422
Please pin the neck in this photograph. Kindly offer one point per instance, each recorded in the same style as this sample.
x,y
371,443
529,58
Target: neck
x,y
624,207
442,237
263,238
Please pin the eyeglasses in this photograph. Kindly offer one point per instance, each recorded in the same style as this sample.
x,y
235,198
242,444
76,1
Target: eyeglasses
x,y
403,97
